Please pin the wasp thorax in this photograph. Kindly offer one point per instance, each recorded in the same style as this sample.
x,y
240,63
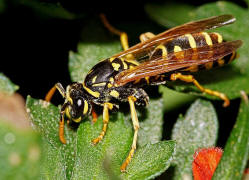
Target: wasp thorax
x,y
78,103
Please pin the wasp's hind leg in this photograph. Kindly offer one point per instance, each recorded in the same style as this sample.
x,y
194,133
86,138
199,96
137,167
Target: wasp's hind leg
x,y
191,79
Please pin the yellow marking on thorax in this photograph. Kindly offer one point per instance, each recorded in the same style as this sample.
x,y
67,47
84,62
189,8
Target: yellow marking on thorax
x,y
93,93
207,38
178,53
114,93
191,40
111,59
99,84
85,107
116,66
94,79
164,50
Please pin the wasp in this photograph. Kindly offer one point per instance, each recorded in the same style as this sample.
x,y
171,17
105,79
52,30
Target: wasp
x,y
169,56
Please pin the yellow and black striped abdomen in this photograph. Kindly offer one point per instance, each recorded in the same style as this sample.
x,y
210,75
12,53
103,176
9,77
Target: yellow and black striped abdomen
x,y
192,41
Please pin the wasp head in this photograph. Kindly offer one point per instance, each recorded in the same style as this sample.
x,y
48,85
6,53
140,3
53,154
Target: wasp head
x,y
77,104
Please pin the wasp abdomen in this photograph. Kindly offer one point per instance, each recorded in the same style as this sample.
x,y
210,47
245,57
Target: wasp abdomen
x,y
192,41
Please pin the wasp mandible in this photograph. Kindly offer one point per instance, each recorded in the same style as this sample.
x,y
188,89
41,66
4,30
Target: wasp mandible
x,y
169,56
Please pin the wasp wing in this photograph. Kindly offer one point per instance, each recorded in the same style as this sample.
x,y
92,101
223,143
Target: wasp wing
x,y
177,61
142,49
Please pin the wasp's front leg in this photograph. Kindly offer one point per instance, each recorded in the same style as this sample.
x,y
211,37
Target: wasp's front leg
x,y
107,106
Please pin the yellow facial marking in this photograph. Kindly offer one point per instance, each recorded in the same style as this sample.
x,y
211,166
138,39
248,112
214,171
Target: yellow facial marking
x,y
94,79
114,93
93,93
85,107
99,84
207,38
116,66
191,40
220,39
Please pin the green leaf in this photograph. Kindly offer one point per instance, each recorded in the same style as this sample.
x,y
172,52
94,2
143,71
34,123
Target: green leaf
x,y
235,156
173,99
20,153
231,78
79,159
45,117
6,86
197,129
154,158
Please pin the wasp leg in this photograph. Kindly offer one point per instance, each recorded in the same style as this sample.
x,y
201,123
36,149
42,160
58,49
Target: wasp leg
x,y
191,79
94,116
123,35
107,107
146,36
131,100
51,92
61,129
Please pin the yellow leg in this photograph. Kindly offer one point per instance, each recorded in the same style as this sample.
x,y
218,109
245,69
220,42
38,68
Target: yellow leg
x,y
135,122
51,92
123,35
107,106
191,79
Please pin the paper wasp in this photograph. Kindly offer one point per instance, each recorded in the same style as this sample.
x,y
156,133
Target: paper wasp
x,y
168,56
